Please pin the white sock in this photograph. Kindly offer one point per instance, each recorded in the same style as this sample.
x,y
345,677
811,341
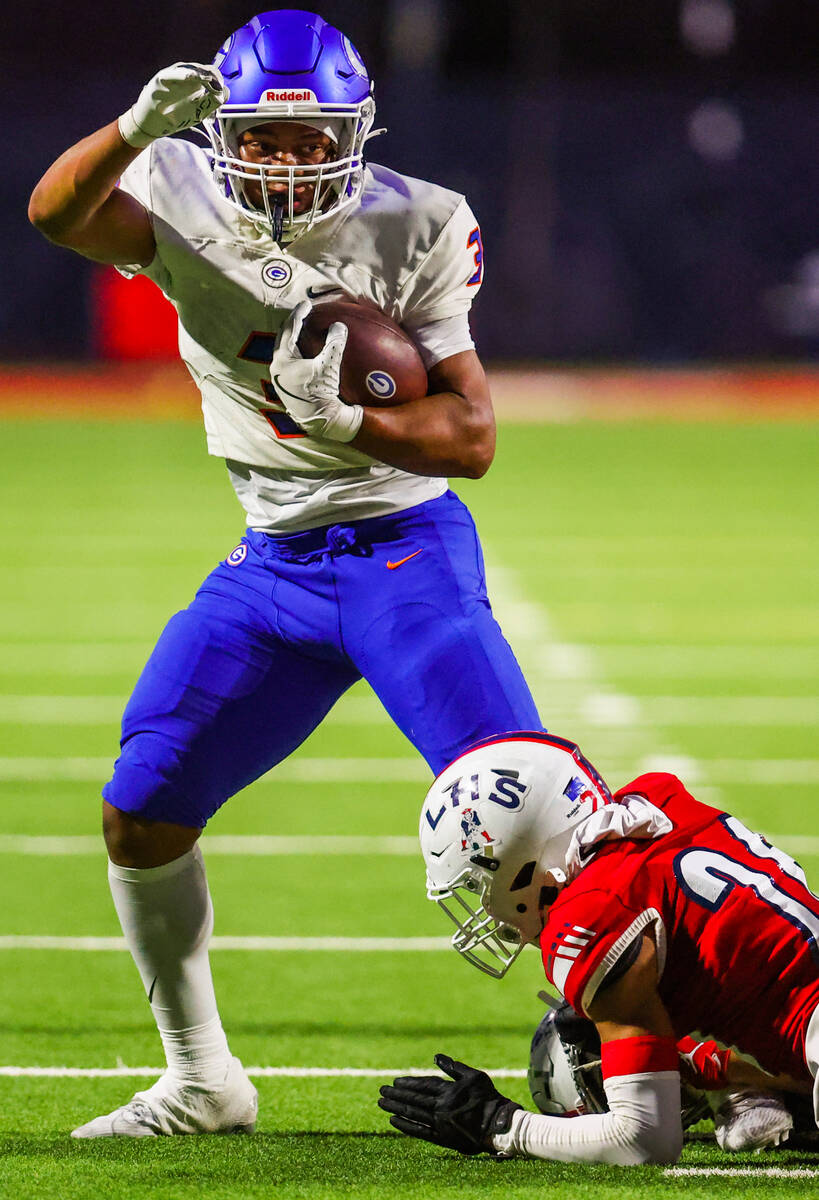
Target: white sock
x,y
166,915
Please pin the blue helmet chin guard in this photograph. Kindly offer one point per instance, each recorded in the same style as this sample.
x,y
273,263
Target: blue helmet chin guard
x,y
290,65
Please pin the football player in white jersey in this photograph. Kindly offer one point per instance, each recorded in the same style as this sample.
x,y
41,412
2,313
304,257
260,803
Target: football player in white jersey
x,y
357,560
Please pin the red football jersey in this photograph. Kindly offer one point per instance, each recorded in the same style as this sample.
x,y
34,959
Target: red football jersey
x,y
737,928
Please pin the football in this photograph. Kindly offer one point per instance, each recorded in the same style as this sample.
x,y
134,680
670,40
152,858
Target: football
x,y
381,364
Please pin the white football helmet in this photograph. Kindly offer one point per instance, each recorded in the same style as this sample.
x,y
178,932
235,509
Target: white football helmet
x,y
495,828
565,1071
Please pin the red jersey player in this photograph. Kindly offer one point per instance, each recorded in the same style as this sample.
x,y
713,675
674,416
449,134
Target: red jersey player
x,y
657,916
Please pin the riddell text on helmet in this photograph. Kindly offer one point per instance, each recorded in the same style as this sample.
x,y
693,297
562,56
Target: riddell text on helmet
x,y
275,96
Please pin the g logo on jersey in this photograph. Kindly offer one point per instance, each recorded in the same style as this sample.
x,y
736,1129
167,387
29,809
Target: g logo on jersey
x,y
237,556
277,273
380,384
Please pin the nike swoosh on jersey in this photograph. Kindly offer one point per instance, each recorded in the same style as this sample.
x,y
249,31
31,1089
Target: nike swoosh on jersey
x,y
392,565
313,293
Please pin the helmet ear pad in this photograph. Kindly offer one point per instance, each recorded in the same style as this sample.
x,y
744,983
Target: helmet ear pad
x,y
517,896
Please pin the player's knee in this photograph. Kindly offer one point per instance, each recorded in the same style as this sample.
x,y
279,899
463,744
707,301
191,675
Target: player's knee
x,y
134,842
124,837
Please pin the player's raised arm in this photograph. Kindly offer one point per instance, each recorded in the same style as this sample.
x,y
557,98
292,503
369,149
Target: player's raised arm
x,y
77,203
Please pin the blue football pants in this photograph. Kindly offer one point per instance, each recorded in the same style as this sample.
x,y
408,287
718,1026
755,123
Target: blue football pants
x,y
285,625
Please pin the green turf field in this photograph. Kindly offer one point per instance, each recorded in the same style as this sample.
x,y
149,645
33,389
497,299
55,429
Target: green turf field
x,y
659,583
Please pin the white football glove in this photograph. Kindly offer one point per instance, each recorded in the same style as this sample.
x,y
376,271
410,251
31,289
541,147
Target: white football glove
x,y
176,98
308,387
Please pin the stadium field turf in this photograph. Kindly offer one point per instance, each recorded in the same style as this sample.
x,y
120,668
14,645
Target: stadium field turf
x,y
659,582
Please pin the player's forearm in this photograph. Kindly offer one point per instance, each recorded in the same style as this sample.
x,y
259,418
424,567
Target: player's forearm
x,y
78,184
742,1073
704,1065
642,1126
440,435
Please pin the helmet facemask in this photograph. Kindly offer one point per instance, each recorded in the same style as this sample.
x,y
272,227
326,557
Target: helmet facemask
x,y
337,182
488,944
489,935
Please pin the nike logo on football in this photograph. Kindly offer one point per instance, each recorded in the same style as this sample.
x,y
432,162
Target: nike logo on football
x,y
392,565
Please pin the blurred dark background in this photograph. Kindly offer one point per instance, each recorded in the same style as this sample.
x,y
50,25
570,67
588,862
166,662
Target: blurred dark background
x,y
645,171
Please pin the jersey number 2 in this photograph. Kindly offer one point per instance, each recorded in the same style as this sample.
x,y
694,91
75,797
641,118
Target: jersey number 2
x,y
709,877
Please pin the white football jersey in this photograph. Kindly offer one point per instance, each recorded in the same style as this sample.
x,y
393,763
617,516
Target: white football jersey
x,y
410,247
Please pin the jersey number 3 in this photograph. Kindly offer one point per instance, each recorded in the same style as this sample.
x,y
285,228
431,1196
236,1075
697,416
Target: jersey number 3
x,y
709,877
474,243
259,349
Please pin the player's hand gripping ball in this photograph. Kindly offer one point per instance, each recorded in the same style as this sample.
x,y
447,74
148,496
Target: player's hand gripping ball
x,y
308,387
176,98
461,1113
381,366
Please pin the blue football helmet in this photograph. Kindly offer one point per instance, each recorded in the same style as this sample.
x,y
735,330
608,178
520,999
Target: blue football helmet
x,y
290,65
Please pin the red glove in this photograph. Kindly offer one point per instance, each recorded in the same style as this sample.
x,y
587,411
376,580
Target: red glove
x,y
703,1064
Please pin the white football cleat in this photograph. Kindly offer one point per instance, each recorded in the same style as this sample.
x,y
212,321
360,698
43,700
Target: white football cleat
x,y
751,1120
174,1106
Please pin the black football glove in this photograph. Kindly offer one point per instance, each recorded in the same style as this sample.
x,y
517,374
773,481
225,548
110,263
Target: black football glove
x,y
461,1113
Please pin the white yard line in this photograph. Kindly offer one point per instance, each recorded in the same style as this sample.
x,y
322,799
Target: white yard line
x,y
569,686
111,657
694,661
122,656
60,710
747,1172
302,945
292,770
625,736
708,710
240,845
269,846
358,709
258,1072
761,771
597,709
